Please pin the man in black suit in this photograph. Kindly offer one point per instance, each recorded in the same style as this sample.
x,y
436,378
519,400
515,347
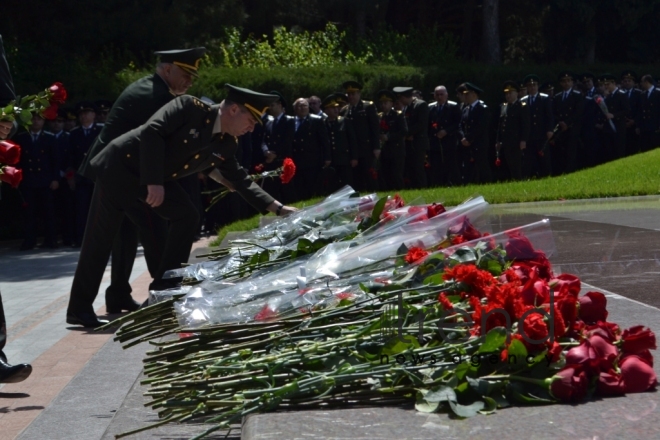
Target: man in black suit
x,y
343,141
277,141
393,132
310,152
474,136
568,108
591,151
416,113
618,108
444,119
64,196
648,115
537,160
139,170
40,162
628,79
513,130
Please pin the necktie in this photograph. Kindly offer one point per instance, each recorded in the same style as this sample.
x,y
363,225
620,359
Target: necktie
x,y
35,137
565,95
531,101
86,131
298,122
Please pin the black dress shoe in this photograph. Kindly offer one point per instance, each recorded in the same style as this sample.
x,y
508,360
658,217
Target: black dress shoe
x,y
14,373
85,319
128,304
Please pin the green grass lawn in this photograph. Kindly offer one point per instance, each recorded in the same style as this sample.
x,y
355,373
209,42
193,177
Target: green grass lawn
x,y
633,176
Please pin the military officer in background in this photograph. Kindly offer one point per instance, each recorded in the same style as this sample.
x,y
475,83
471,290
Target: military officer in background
x,y
103,107
393,131
277,142
618,107
537,160
548,88
513,130
591,151
365,120
174,75
568,108
416,112
343,140
444,121
310,152
71,120
40,164
64,196
315,107
628,79
184,137
648,115
473,132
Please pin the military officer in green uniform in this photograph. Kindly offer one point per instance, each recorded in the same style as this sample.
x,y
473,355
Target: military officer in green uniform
x,y
343,141
140,169
393,131
137,103
513,130
365,120
416,113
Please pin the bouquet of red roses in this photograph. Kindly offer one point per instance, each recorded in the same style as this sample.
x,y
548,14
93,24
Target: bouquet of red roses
x,y
10,154
44,103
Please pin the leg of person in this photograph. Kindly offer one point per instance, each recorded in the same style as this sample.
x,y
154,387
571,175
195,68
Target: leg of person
x,y
9,373
124,249
514,161
419,172
452,165
105,216
438,171
30,198
50,239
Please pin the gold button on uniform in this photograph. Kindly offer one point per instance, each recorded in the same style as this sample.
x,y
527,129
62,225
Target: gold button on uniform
x,y
185,167
196,156
185,141
174,175
128,155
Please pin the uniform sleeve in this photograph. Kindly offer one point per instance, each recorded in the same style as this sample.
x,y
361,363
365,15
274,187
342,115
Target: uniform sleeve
x,y
549,115
153,134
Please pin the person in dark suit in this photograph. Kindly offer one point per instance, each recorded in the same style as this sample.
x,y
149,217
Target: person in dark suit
x,y
365,120
628,79
648,115
618,107
277,142
416,113
513,130
393,131
591,151
537,160
568,108
310,152
444,121
343,141
40,164
174,75
8,373
64,196
474,136
139,170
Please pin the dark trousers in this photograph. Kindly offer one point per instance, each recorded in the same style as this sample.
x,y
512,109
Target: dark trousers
x,y
476,168
65,206
106,213
344,176
632,141
392,171
648,140
445,166
537,161
415,171
3,330
514,159
83,197
565,152
39,201
302,186
365,174
614,145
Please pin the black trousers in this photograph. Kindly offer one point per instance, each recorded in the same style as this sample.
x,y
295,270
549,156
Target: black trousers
x,y
108,207
614,145
445,166
565,153
65,211
476,168
3,330
83,196
39,201
514,159
537,162
415,171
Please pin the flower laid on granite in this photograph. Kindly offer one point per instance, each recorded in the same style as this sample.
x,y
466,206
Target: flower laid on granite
x,y
45,103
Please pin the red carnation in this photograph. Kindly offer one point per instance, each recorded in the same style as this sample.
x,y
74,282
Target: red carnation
x,y
51,112
58,92
415,254
10,152
498,162
288,170
383,125
373,173
11,176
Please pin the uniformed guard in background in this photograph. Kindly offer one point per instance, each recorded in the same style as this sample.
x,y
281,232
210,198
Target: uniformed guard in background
x,y
416,112
344,147
591,152
628,80
474,136
103,107
568,108
648,115
365,120
71,120
548,88
537,161
513,130
393,131
444,121
136,104
618,107
40,164
64,196
277,142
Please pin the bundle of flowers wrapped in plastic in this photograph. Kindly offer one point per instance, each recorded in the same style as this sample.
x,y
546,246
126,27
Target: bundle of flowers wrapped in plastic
x,y
464,329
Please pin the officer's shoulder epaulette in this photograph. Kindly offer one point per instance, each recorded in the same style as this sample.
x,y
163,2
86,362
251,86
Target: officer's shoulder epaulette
x,y
589,97
523,103
380,114
99,124
367,102
452,103
543,94
49,133
398,112
269,118
576,92
314,117
621,91
201,104
339,118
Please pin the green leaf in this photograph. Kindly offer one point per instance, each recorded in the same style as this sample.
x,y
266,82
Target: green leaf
x,y
441,394
434,280
484,387
494,267
378,210
466,410
264,256
491,406
426,407
494,341
462,370
26,117
396,346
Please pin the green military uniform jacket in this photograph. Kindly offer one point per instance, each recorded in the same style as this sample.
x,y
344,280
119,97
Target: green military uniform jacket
x,y
175,142
134,106
514,124
393,125
365,121
343,141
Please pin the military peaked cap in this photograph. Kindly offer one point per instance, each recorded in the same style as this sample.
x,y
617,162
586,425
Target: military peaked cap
x,y
629,74
257,103
352,86
331,101
83,106
385,95
587,75
103,105
405,91
510,86
531,79
606,77
187,59
566,74
281,98
469,87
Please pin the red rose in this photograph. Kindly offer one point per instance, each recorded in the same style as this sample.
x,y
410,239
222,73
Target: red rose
x,y
465,229
595,354
259,168
434,210
567,307
58,91
610,384
288,170
51,112
566,284
519,247
637,339
498,162
415,254
535,292
11,176
637,375
593,307
570,384
607,330
10,152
